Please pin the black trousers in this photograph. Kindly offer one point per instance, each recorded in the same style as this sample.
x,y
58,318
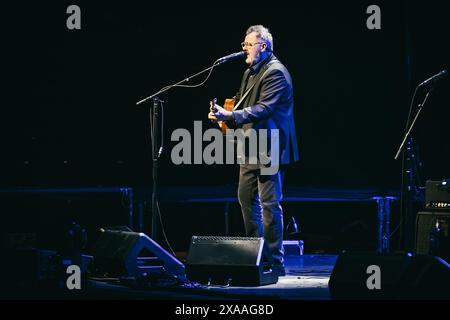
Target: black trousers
x,y
259,196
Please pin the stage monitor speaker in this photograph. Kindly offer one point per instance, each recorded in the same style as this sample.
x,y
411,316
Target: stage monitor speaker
x,y
401,276
119,252
235,261
431,239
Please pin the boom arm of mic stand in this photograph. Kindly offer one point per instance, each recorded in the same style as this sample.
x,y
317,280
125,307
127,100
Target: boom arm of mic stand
x,y
178,83
412,124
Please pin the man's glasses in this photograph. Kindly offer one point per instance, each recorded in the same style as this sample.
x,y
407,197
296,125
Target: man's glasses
x,y
249,45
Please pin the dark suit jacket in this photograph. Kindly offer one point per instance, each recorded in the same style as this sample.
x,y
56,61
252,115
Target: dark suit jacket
x,y
270,105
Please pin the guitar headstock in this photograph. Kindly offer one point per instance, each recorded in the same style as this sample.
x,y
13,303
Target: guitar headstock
x,y
212,104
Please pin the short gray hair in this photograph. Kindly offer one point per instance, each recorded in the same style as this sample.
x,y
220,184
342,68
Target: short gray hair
x,y
262,33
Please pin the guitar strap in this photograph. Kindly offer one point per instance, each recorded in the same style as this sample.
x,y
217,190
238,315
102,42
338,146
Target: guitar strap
x,y
262,74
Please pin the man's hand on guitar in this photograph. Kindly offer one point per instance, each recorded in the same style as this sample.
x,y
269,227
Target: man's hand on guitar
x,y
212,109
219,114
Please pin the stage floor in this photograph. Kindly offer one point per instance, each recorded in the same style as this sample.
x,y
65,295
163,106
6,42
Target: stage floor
x,y
306,278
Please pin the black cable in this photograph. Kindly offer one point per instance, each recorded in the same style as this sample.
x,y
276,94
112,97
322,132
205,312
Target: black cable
x,y
163,229
215,64
161,147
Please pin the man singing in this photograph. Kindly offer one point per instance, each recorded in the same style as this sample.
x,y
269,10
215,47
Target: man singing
x,y
269,104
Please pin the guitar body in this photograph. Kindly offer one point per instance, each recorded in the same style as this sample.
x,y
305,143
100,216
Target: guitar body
x,y
229,106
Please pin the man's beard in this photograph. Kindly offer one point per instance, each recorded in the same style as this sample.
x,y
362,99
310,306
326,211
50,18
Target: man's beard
x,y
256,59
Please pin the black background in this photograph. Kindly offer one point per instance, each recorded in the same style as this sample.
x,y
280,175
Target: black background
x,y
71,117
69,105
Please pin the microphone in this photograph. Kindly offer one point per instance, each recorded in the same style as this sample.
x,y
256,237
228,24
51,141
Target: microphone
x,y
436,77
232,56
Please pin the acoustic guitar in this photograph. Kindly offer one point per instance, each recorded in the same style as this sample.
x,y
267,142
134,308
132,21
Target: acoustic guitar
x,y
228,105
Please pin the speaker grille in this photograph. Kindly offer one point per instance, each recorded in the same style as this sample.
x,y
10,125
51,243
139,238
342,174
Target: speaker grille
x,y
225,250
215,239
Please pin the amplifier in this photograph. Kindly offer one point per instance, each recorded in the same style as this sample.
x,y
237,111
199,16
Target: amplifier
x,y
437,195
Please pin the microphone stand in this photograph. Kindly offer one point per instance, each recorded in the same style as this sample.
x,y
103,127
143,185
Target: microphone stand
x,y
412,124
410,171
156,124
